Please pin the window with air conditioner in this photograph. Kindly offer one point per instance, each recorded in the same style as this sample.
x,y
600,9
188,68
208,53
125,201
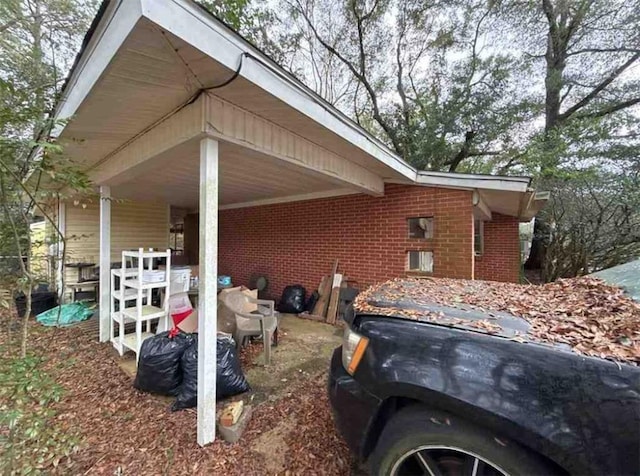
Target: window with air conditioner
x,y
420,228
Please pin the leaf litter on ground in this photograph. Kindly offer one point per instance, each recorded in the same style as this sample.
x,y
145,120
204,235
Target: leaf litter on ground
x,y
124,431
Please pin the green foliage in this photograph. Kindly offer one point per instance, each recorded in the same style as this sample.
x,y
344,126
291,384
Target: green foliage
x,y
252,20
38,41
234,13
32,441
595,221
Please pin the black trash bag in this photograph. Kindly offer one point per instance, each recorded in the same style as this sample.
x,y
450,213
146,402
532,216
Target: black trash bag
x,y
229,377
159,363
188,395
292,300
311,302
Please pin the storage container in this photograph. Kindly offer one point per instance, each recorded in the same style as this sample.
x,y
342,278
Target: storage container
x,y
179,280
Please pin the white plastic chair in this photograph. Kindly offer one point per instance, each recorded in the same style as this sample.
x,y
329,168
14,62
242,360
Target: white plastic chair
x,y
263,323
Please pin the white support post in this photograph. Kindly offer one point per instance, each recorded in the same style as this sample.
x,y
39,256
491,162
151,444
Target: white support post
x,y
105,261
207,295
62,226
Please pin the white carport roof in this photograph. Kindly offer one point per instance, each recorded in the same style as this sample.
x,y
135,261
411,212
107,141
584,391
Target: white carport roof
x,y
144,62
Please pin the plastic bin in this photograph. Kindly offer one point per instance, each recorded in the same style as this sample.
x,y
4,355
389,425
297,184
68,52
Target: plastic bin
x,y
40,302
153,276
179,280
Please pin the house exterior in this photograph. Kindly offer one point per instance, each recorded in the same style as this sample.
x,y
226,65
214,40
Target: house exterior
x,y
297,242
168,108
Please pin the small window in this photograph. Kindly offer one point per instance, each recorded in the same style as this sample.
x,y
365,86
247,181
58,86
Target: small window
x,y
176,239
420,261
478,237
421,228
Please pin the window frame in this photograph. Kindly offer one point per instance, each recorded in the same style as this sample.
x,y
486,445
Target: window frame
x,y
478,233
419,272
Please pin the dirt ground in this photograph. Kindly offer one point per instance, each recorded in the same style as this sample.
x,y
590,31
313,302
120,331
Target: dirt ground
x,y
127,432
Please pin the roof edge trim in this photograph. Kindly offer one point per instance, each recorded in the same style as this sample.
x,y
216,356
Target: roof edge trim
x,y
473,181
113,23
227,48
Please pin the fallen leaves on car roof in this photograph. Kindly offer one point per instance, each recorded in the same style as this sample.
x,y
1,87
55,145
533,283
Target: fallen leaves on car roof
x,y
591,317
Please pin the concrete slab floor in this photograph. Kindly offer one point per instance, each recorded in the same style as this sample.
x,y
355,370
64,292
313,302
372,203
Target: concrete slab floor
x,y
304,350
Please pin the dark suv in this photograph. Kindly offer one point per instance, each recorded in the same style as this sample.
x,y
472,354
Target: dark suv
x,y
441,398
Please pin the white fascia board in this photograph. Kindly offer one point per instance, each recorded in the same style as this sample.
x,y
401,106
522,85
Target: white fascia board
x,y
472,181
117,22
189,22
536,202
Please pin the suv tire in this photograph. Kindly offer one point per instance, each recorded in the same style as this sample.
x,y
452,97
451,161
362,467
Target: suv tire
x,y
444,436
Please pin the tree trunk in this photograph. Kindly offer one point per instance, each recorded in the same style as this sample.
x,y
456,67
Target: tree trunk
x,y
555,58
539,243
24,338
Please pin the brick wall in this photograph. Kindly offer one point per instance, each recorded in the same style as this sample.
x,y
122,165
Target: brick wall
x,y
298,242
500,260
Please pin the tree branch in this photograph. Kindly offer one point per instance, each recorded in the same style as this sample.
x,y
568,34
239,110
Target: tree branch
x,y
463,153
611,109
603,50
360,76
479,153
599,88
8,25
400,84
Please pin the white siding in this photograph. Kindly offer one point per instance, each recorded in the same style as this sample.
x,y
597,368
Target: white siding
x,y
133,225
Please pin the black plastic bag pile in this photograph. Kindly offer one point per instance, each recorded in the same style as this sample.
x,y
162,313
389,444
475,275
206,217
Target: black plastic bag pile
x,y
229,377
159,363
292,300
169,366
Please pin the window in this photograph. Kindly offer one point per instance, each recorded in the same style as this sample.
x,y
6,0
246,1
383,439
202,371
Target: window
x,y
421,228
420,261
478,237
176,238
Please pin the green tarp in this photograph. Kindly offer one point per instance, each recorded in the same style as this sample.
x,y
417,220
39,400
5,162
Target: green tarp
x,y
65,315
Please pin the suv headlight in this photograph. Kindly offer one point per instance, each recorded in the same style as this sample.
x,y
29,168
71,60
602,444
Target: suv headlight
x,y
353,347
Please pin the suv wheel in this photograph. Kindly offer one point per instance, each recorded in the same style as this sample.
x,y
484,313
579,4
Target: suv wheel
x,y
420,441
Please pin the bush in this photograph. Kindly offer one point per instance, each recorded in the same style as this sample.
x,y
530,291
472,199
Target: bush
x,y
31,441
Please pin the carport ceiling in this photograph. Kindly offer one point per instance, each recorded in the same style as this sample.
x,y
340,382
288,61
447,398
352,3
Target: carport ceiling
x,y
153,73
245,176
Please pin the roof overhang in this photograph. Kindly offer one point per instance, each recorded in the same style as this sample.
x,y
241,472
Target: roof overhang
x,y
206,53
144,61
473,181
506,195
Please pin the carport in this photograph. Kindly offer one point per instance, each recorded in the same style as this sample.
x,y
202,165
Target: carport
x,y
167,104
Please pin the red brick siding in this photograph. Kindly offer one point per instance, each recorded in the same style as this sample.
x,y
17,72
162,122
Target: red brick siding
x,y
298,242
500,260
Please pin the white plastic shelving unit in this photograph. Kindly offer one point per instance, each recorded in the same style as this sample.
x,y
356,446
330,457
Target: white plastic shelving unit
x,y
137,279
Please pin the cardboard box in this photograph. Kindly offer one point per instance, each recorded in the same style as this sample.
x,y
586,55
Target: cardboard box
x,y
190,323
226,318
248,307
